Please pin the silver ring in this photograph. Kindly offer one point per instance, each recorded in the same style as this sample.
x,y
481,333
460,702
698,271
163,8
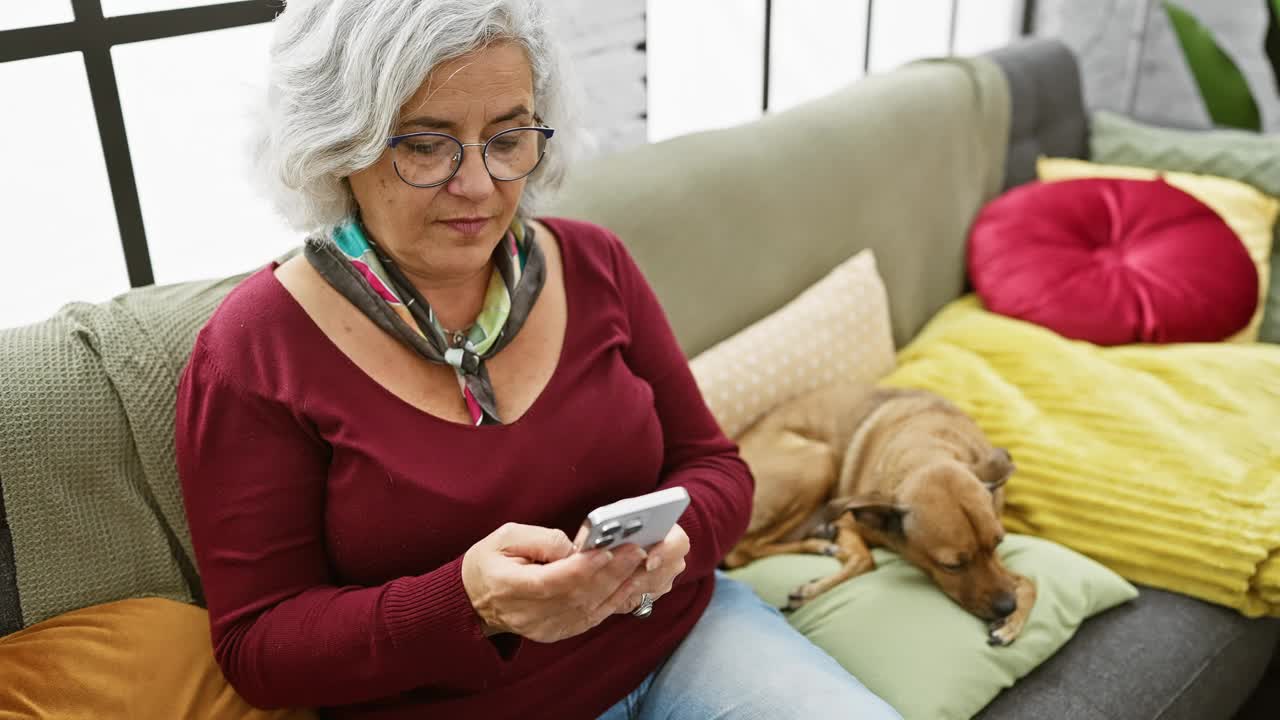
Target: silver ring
x,y
646,606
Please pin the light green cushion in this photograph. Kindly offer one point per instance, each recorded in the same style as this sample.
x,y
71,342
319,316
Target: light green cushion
x,y
1236,154
911,645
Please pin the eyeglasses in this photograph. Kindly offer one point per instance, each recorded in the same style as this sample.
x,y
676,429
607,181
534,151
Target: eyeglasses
x,y
428,159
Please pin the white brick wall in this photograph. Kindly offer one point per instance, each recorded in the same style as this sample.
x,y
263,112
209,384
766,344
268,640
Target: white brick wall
x,y
605,39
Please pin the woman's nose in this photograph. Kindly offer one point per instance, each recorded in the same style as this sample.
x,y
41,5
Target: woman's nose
x,y
472,180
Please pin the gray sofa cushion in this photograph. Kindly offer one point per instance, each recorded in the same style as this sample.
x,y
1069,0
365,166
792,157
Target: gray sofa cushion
x,y
1047,113
1161,657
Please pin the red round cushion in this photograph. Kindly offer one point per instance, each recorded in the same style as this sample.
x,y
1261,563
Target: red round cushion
x,y
1112,262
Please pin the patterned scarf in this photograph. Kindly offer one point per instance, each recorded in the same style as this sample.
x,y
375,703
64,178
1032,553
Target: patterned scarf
x,y
357,268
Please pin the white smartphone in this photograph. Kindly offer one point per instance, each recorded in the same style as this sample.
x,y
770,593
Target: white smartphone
x,y
644,520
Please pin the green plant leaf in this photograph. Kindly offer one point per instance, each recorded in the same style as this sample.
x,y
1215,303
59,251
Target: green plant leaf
x,y
1273,39
1225,92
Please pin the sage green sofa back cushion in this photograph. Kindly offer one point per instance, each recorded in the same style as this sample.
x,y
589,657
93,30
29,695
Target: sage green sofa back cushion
x,y
728,225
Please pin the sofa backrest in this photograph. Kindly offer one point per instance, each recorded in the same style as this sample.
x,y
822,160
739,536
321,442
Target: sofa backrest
x,y
730,224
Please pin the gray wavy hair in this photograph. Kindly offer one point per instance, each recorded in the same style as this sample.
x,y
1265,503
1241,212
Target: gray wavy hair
x,y
340,71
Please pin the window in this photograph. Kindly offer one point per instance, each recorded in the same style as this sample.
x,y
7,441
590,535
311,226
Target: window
x,y
816,47
14,14
906,31
111,8
704,55
983,25
705,68
62,244
189,123
76,228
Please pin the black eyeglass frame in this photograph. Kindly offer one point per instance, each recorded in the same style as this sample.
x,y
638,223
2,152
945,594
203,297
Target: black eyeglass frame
x,y
395,140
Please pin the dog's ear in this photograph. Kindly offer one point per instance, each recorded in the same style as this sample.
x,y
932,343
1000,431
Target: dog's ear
x,y
995,469
875,512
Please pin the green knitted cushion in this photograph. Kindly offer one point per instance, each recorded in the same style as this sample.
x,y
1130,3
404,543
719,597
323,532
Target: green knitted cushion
x,y
78,510
92,508
1244,156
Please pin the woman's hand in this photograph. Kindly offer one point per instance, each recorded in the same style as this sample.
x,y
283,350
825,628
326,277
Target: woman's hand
x,y
664,564
528,580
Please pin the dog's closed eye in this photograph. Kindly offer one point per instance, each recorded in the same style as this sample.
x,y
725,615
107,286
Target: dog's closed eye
x,y
955,567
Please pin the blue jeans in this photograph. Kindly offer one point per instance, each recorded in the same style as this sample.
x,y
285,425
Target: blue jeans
x,y
742,661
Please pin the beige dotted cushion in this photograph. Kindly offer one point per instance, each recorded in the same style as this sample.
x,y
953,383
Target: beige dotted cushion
x,y
837,329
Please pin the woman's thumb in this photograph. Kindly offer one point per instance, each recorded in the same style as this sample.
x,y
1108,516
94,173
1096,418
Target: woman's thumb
x,y
534,543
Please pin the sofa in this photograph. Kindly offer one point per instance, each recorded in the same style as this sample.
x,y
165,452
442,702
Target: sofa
x,y
891,149
90,508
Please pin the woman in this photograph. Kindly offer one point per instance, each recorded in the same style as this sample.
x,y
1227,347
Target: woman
x,y
384,440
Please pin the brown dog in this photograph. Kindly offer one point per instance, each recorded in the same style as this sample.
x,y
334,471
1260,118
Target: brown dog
x,y
845,467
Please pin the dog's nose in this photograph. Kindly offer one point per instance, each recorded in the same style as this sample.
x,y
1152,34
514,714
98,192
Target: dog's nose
x,y
1004,604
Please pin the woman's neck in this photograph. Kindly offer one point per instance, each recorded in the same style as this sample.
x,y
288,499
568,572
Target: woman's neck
x,y
456,301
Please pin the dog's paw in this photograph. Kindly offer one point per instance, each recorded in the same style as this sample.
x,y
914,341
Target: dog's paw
x,y
802,595
1003,632
831,550
993,633
795,601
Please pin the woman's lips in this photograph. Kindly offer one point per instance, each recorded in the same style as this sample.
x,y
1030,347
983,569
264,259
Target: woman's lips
x,y
467,226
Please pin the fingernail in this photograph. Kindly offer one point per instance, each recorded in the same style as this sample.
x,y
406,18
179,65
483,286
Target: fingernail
x,y
654,563
604,557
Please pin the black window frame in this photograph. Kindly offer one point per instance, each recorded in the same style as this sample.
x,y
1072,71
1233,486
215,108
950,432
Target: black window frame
x,y
93,35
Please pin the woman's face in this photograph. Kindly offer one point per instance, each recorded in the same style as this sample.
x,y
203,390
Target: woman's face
x,y
447,233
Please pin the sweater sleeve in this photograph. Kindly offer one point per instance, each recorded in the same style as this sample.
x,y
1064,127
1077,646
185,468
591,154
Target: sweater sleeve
x,y
698,455
253,476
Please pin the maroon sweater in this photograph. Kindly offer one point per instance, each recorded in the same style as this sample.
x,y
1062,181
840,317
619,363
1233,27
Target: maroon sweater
x,y
329,517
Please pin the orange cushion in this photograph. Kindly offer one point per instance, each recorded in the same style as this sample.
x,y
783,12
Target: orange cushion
x,y
138,658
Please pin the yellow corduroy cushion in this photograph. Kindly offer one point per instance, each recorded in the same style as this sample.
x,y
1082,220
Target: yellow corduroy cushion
x,y
131,659
1248,211
1161,462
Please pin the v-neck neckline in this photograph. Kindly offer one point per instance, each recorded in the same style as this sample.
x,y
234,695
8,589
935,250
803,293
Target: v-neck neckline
x,y
539,399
